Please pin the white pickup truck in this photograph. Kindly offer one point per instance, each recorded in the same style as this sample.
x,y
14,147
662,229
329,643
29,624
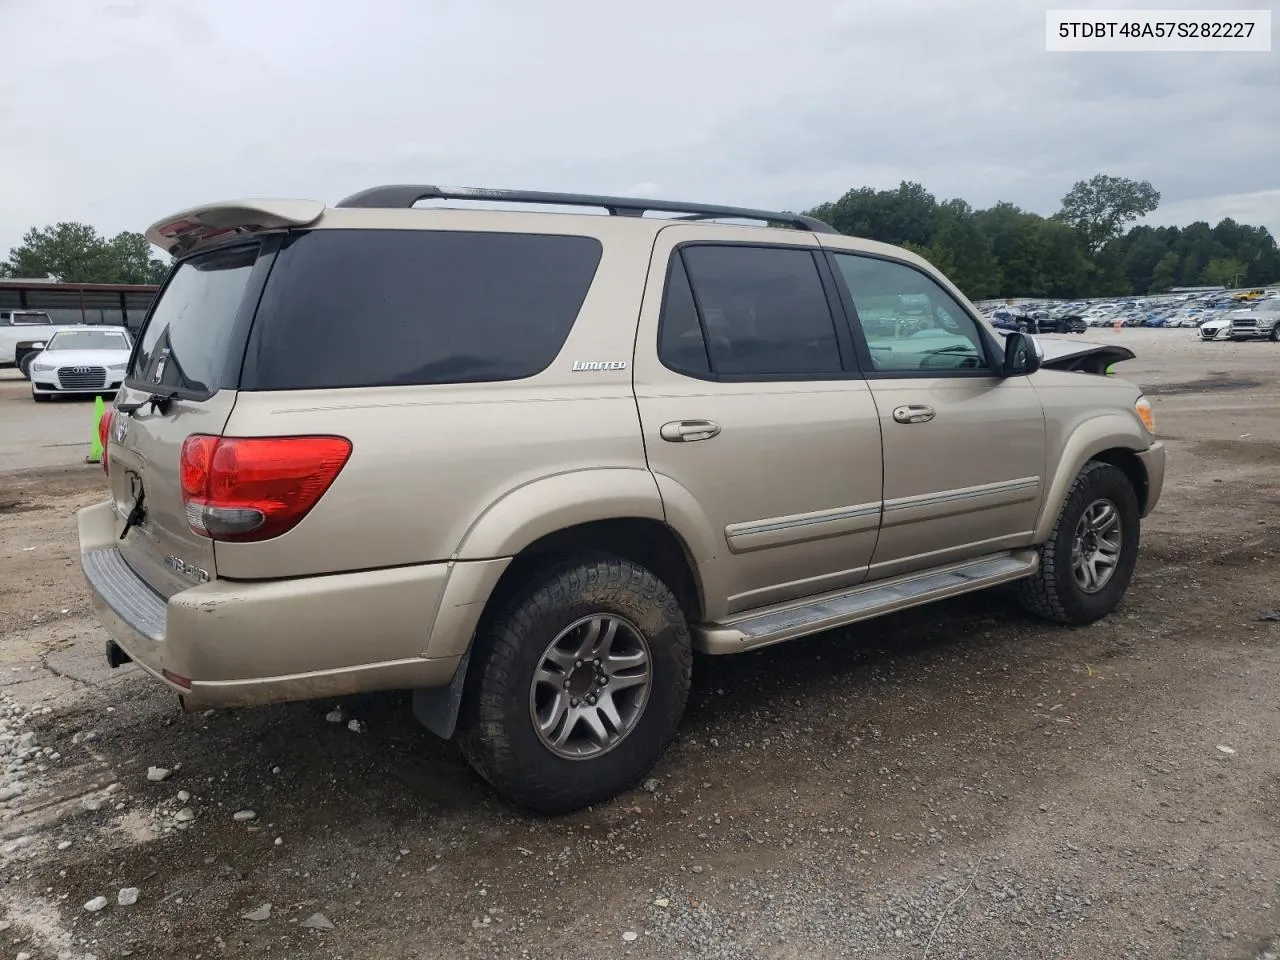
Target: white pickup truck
x,y
22,327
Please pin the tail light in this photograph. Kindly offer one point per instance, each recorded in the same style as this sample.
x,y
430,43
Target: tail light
x,y
104,431
253,488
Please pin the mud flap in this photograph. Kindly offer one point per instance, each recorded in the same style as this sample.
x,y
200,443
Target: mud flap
x,y
436,708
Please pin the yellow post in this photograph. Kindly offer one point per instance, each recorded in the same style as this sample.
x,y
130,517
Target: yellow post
x,y
95,450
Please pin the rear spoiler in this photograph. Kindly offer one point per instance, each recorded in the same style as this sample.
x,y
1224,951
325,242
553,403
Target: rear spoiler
x,y
183,232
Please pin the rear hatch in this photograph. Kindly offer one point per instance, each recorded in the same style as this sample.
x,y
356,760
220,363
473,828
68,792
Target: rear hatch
x,y
180,381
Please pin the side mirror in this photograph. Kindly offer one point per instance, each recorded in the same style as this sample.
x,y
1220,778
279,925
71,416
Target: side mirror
x,y
1022,354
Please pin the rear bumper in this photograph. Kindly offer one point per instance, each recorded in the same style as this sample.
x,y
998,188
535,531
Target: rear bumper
x,y
230,644
1153,460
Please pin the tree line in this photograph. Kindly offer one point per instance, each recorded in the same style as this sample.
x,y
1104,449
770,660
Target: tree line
x,y
1083,250
77,253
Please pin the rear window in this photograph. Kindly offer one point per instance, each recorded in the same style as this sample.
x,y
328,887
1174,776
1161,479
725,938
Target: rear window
x,y
25,319
369,308
189,341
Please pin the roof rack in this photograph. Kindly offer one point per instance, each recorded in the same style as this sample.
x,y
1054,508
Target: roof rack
x,y
403,196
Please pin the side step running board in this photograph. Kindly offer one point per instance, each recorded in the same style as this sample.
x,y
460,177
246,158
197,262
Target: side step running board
x,y
797,619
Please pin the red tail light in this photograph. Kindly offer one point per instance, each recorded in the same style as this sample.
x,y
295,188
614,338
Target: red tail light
x,y
104,432
254,488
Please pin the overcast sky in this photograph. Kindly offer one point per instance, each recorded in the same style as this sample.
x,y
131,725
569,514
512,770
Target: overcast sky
x,y
117,112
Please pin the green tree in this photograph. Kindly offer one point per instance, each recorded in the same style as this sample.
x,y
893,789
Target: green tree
x,y
905,215
1084,250
77,253
1223,271
1101,207
959,242
71,252
1162,277
939,260
134,259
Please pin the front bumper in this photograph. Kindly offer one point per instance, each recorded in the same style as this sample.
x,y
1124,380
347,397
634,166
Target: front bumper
x,y
232,644
1153,460
48,384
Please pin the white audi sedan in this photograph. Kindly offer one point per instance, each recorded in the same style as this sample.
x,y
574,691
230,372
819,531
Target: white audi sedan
x,y
81,359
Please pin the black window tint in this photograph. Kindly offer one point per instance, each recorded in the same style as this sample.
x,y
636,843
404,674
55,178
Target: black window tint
x,y
357,308
187,340
680,343
763,309
911,324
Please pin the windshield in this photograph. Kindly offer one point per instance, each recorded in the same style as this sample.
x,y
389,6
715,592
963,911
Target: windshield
x,y
88,340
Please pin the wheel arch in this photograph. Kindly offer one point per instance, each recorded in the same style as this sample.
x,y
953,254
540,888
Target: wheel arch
x,y
1110,439
638,536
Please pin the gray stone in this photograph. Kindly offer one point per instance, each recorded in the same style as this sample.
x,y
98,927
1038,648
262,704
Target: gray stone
x,y
261,913
317,921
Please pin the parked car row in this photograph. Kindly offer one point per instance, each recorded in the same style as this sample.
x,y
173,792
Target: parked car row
x,y
1216,315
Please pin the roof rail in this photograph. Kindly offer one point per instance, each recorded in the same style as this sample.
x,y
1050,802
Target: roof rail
x,y
403,196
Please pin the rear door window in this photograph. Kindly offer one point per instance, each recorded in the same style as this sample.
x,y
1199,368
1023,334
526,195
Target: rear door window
x,y
759,312
189,343
373,308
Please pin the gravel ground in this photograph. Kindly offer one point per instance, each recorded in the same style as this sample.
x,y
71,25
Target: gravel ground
x,y
957,781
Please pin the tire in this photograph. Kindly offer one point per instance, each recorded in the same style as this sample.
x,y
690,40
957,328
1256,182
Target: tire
x,y
1275,333
41,397
496,729
1055,593
24,365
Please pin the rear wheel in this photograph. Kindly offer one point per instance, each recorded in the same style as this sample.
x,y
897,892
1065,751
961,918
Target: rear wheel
x,y
576,685
1088,561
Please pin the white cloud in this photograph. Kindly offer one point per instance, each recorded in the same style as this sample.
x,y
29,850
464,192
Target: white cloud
x,y
116,112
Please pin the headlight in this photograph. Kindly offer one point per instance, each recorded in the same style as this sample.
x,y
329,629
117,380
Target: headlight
x,y
1143,409
118,367
41,368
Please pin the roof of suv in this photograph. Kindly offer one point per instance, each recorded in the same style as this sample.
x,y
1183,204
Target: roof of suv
x,y
197,226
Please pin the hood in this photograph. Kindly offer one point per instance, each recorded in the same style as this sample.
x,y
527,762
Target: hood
x,y
82,358
1085,357
1217,322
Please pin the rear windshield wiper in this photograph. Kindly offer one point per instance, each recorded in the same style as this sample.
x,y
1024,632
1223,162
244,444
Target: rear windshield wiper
x,y
159,403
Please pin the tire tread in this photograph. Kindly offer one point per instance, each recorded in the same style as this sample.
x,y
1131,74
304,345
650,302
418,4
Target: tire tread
x,y
1042,594
499,647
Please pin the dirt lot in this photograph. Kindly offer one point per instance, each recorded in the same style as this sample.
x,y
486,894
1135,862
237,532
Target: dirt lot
x,y
960,781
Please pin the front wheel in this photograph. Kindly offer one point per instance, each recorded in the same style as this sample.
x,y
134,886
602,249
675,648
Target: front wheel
x,y
41,397
1088,560
1275,333
577,684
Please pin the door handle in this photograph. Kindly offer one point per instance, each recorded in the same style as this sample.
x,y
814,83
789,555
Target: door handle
x,y
687,431
913,413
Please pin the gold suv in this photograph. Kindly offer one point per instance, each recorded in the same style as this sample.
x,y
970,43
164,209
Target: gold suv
x,y
524,464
